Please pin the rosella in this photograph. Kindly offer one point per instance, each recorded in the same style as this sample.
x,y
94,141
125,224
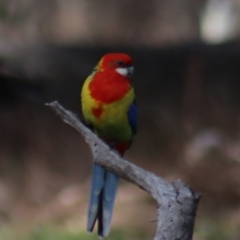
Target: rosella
x,y
109,109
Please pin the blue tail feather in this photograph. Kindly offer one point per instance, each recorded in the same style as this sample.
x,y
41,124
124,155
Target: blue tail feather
x,y
109,194
98,174
102,196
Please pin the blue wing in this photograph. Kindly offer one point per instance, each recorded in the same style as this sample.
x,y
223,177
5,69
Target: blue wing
x,y
132,117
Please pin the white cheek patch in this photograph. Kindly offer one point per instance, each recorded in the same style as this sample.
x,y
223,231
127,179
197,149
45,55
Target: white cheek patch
x,y
122,71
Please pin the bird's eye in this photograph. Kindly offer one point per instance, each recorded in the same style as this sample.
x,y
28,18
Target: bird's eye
x,y
120,63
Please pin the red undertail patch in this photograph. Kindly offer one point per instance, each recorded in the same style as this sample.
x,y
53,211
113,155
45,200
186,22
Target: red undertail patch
x,y
121,147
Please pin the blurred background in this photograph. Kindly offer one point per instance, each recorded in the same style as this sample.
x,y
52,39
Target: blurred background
x,y
187,79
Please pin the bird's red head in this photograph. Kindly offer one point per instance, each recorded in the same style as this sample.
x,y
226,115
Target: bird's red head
x,y
119,62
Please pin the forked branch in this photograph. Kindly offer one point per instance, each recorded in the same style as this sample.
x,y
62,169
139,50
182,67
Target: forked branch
x,y
177,203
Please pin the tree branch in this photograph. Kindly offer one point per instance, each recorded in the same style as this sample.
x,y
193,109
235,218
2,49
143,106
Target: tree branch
x,y
177,203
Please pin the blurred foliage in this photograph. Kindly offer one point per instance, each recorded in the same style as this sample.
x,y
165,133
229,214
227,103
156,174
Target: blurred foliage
x,y
208,230
188,97
152,23
51,233
217,229
155,23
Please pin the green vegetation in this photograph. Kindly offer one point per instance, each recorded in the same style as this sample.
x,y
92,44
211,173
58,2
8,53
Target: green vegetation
x,y
207,230
47,233
217,230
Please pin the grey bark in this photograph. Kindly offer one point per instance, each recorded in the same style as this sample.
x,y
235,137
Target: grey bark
x,y
176,202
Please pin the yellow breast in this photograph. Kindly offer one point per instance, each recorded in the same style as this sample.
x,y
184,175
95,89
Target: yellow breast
x,y
109,120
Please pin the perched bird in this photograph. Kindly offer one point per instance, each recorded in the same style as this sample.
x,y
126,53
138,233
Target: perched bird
x,y
109,109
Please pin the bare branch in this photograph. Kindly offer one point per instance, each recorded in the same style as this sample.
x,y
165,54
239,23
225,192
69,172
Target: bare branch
x,y
177,203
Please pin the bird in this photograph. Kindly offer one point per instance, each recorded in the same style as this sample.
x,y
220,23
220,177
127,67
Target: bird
x,y
109,109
